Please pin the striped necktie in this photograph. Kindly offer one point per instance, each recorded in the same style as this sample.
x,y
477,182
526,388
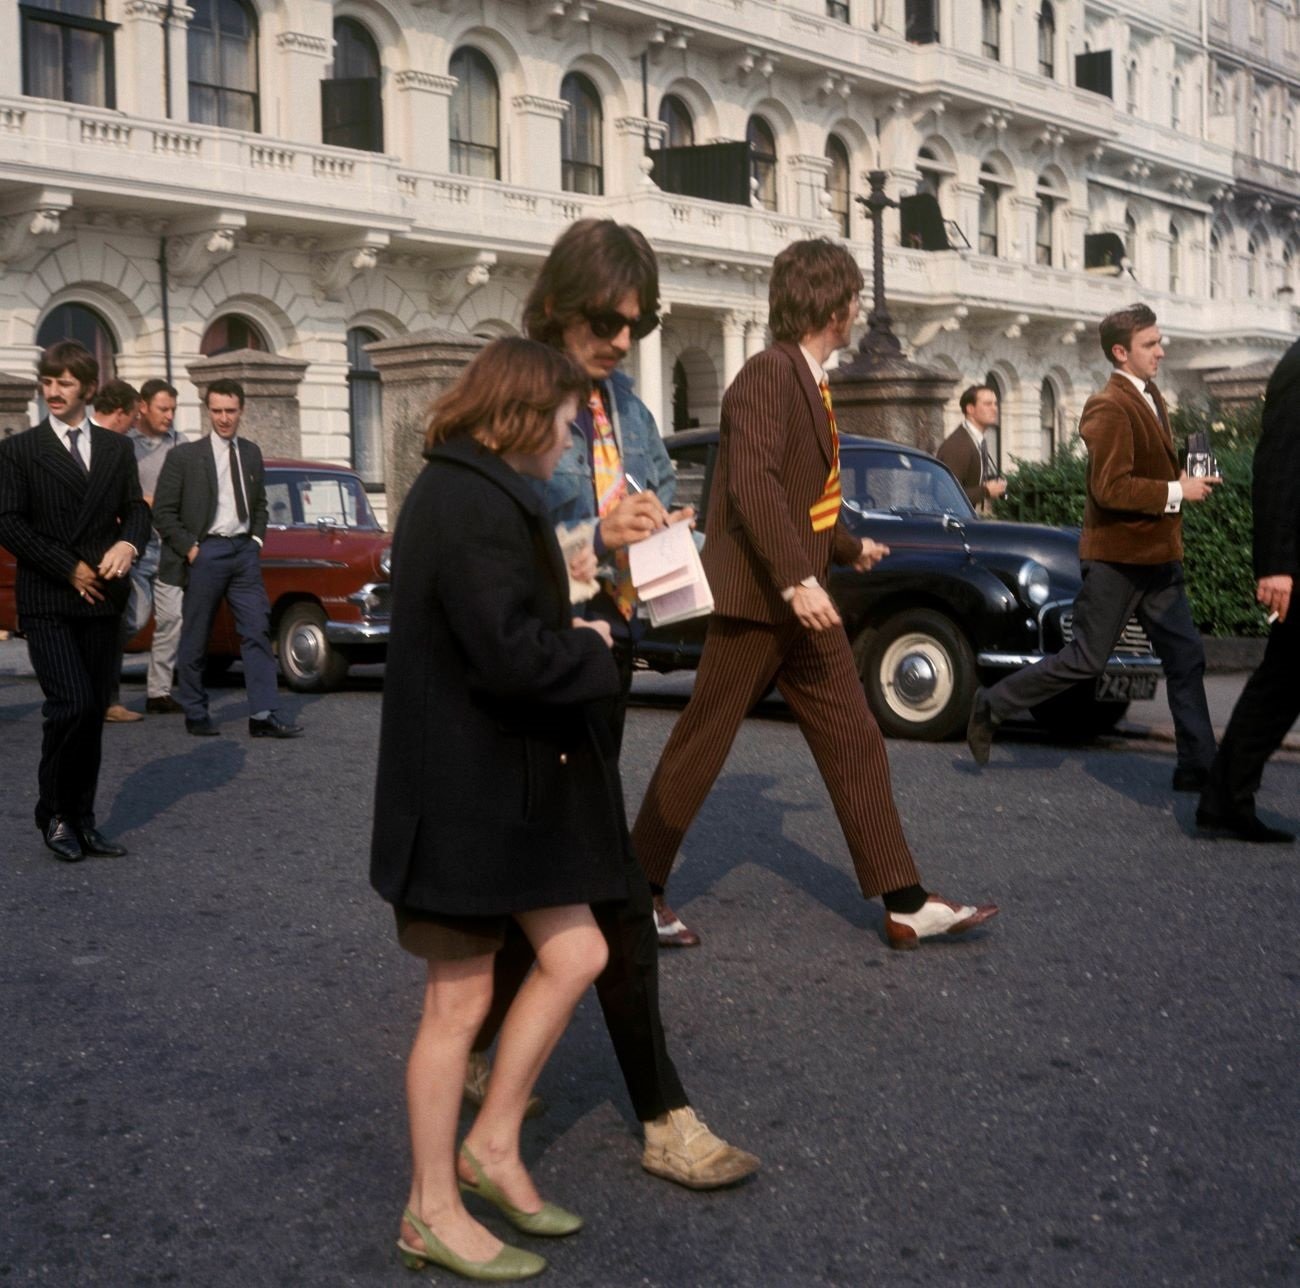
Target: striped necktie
x,y
826,509
611,488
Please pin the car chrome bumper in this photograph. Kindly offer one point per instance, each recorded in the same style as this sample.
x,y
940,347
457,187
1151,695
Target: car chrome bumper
x,y
1116,664
356,632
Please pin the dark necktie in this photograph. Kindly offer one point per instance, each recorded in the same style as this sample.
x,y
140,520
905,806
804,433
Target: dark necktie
x,y
1154,394
73,435
987,469
241,506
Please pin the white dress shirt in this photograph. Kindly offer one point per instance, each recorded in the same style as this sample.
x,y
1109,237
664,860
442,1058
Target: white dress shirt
x,y
1174,500
83,439
226,522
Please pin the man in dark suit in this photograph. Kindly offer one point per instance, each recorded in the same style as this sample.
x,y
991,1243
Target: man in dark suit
x,y
966,451
210,512
1270,702
1131,549
774,525
72,514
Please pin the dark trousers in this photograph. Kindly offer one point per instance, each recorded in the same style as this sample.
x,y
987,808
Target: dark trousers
x,y
815,673
74,659
1111,594
228,568
1265,711
628,987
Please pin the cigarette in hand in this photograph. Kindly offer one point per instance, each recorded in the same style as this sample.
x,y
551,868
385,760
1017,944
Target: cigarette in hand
x,y
1272,617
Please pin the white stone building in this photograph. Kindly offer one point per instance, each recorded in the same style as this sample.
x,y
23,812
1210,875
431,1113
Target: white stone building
x,y
305,176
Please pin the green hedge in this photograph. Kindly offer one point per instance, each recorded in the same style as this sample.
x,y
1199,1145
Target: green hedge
x,y
1216,533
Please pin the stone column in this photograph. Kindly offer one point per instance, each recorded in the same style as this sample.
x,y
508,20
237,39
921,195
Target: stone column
x,y
304,59
891,398
414,370
1022,228
537,141
650,369
966,211
755,337
16,394
139,56
811,198
424,108
178,34
733,346
634,134
271,415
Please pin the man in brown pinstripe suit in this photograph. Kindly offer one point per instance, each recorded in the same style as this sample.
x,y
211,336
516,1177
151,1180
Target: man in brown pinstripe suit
x,y
773,527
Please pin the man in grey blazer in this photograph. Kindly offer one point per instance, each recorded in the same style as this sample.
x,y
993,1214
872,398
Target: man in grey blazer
x,y
210,511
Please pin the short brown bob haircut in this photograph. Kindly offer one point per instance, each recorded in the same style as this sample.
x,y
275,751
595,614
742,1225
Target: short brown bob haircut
x,y
115,395
592,265
812,281
1118,327
507,397
73,358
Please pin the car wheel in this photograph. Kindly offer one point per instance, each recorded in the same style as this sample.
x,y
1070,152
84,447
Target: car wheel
x,y
919,674
308,661
1077,716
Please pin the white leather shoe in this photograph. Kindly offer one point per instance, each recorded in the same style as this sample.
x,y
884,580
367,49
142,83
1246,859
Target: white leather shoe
x,y
936,916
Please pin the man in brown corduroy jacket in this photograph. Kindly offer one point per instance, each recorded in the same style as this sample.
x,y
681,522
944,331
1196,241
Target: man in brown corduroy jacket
x,y
1131,550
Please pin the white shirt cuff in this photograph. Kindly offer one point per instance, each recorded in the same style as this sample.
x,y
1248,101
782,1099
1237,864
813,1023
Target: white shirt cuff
x,y
1174,502
256,538
809,582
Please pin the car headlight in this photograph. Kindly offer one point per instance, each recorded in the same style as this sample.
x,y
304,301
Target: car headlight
x,y
386,562
1035,585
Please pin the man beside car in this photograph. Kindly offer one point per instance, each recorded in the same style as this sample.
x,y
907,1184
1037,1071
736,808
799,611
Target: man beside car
x,y
210,510
1131,549
153,438
966,451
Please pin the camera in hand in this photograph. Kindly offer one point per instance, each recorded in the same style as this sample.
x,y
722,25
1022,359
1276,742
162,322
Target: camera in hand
x,y
1201,462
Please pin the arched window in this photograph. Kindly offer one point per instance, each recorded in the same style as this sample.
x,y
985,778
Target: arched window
x,y
1216,267
82,324
67,52
475,115
1176,102
1047,418
230,332
681,398
993,434
674,114
1254,269
935,174
352,106
1256,19
1287,283
1175,258
991,28
991,186
581,140
222,54
365,409
1131,241
1220,98
1257,130
1049,202
762,161
839,184
1047,40
1131,87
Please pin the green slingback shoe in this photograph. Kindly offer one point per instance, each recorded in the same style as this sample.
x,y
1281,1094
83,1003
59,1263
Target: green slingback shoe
x,y
509,1264
551,1222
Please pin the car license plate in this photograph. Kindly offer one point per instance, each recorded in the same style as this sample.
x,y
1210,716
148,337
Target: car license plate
x,y
1126,688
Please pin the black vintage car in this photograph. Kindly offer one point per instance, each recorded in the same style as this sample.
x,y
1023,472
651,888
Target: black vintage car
x,y
960,599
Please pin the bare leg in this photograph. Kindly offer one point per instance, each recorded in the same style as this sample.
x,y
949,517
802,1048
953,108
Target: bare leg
x,y
456,998
571,952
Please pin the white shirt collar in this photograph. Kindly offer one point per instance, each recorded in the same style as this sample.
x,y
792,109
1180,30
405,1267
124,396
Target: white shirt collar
x,y
1137,381
818,371
974,431
61,427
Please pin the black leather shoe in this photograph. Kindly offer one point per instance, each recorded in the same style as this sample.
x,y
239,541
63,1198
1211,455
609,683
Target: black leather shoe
x,y
1187,779
1241,827
272,727
93,841
61,837
164,706
979,732
201,728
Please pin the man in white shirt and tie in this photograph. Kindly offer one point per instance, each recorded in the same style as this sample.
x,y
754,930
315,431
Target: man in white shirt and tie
x,y
966,451
210,511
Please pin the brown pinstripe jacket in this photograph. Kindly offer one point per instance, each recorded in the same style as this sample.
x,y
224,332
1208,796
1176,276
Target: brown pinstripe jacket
x,y
774,453
1131,462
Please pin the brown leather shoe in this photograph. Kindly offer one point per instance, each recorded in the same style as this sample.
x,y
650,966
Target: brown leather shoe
x,y
936,916
673,931
164,706
476,1081
118,714
679,1147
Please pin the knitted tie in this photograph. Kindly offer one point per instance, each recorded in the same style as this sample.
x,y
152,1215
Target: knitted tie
x,y
1154,394
611,488
826,509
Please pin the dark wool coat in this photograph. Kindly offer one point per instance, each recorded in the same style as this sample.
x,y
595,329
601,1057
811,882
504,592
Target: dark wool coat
x,y
1276,489
496,786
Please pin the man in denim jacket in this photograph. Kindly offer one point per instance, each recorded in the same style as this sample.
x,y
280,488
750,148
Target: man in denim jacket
x,y
597,292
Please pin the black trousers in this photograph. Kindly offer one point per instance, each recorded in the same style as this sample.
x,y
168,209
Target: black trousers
x,y
74,659
628,987
1111,594
1267,708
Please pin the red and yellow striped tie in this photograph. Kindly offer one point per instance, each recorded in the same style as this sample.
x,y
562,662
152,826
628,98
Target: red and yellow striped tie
x,y
611,488
826,509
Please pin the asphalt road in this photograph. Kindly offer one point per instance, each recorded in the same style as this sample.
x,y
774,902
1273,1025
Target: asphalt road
x,y
204,1042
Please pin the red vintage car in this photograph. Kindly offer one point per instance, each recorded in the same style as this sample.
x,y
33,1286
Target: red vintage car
x,y
326,566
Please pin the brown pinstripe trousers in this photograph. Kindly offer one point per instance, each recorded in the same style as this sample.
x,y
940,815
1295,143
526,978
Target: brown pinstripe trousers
x,y
815,673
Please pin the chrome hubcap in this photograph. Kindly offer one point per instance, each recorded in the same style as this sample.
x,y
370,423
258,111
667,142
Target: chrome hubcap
x,y
306,648
916,677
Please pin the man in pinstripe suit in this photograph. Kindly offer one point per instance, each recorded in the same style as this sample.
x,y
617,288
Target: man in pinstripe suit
x,y
72,514
773,528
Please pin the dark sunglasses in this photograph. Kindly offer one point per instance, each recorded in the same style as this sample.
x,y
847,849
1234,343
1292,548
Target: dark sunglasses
x,y
605,324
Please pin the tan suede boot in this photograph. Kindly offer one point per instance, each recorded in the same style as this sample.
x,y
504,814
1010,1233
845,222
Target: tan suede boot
x,y
679,1147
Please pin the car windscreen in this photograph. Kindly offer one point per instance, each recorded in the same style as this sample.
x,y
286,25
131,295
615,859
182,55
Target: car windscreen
x,y
876,480
297,498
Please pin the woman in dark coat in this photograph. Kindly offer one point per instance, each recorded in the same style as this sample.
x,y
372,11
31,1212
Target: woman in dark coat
x,y
493,799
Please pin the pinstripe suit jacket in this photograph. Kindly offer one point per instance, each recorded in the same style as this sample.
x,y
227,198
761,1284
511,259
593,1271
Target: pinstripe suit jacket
x,y
774,454
52,516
